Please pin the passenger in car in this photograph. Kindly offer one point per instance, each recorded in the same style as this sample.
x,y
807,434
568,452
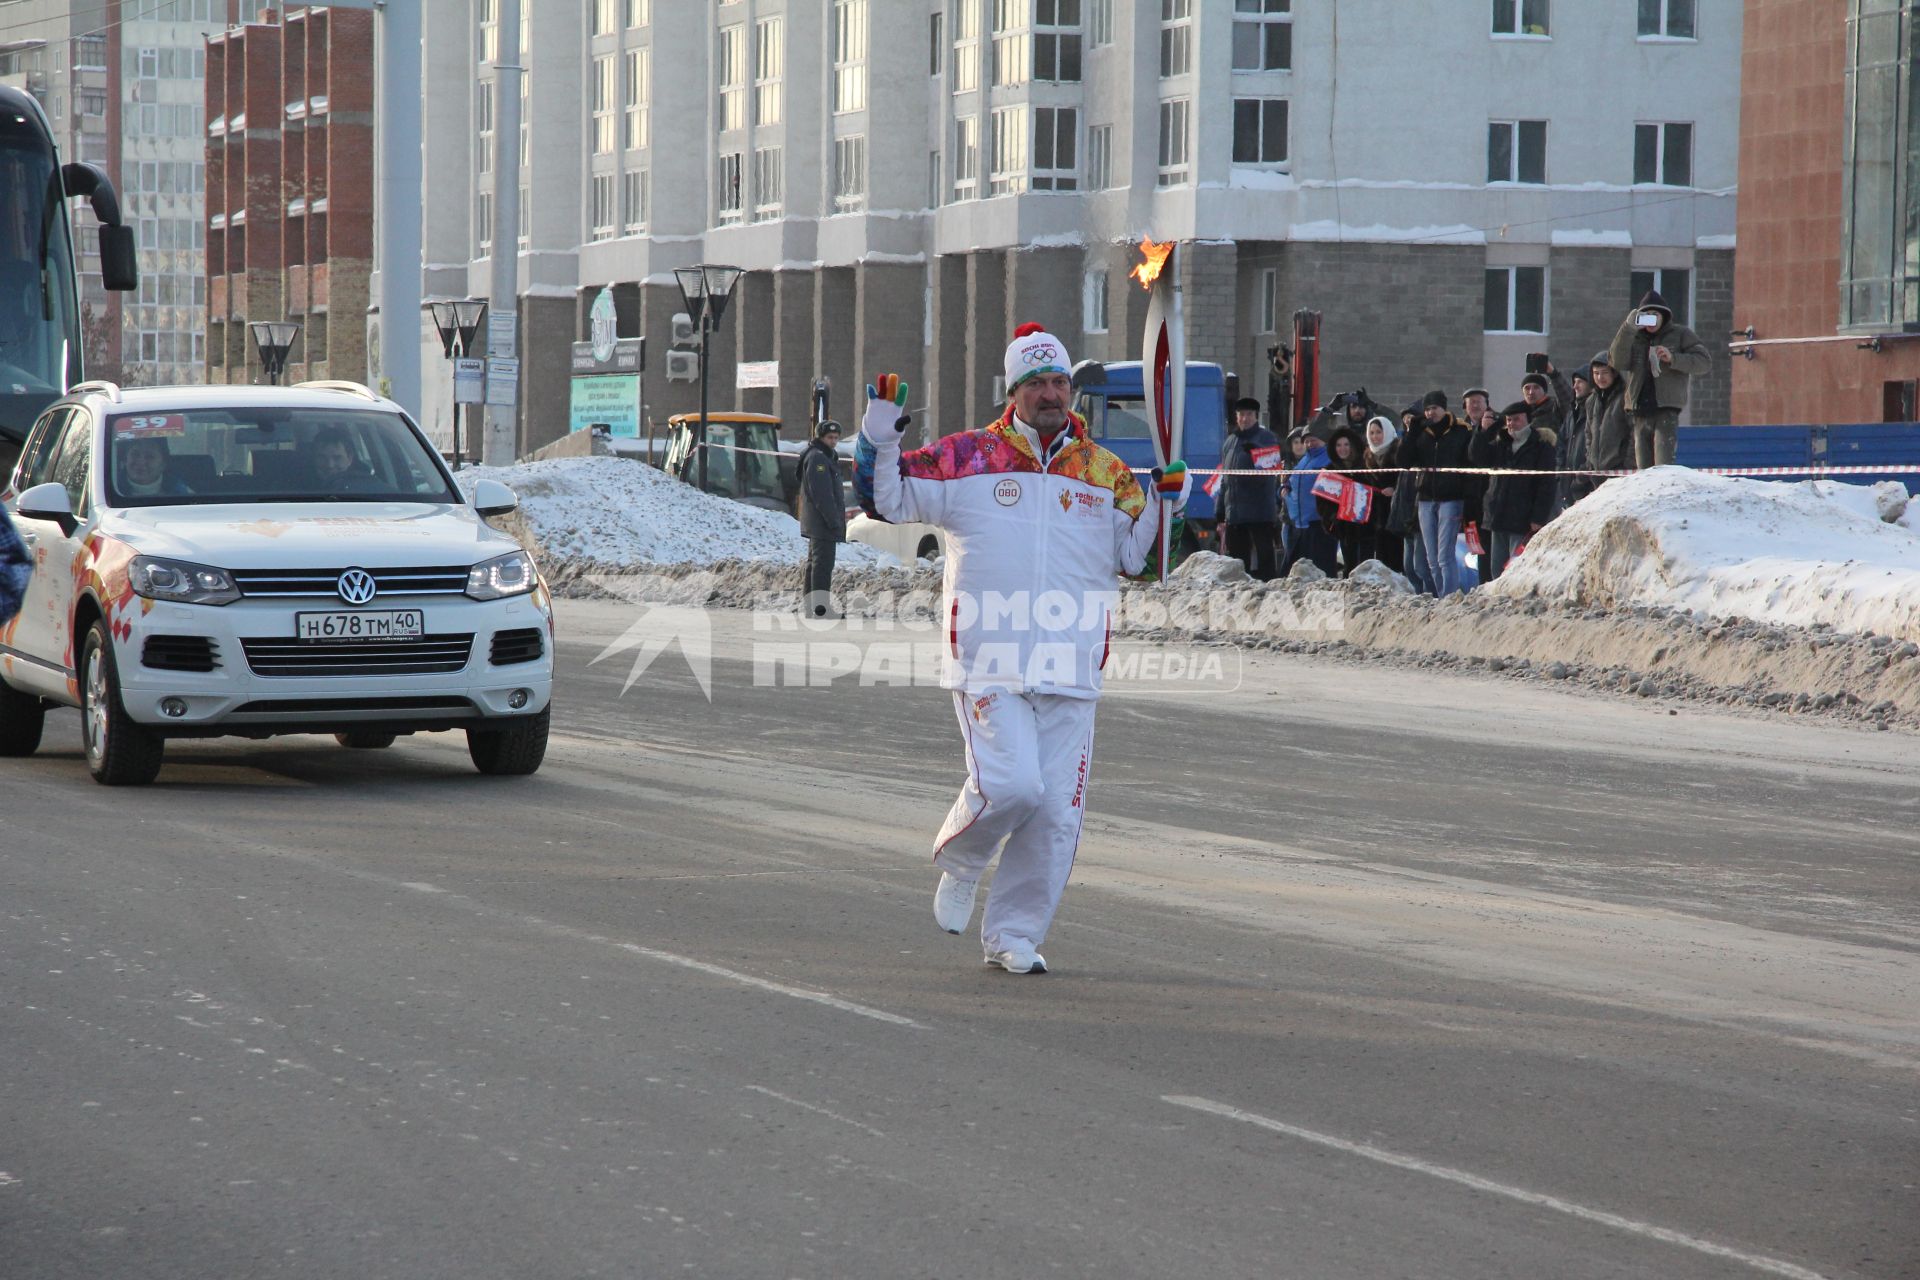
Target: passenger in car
x,y
143,470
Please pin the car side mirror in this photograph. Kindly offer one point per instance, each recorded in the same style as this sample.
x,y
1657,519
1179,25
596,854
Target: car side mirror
x,y
48,502
490,498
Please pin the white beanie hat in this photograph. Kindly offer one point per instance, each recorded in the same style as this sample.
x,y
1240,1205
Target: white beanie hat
x,y
1034,350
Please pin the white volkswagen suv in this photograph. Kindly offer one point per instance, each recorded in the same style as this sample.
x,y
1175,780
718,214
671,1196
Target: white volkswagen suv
x,y
214,561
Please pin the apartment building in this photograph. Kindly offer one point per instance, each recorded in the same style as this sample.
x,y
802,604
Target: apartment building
x,y
289,163
1829,282
1451,186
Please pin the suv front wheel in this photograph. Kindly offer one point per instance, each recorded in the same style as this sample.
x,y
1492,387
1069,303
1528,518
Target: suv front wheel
x,y
120,753
518,750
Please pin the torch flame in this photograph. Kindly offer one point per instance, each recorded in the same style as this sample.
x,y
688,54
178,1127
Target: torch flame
x,y
1155,261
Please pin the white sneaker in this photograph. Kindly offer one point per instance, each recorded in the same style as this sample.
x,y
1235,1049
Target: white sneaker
x,y
953,902
1019,958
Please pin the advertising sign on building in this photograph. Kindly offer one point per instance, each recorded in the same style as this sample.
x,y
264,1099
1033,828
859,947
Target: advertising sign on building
x,y
757,374
610,399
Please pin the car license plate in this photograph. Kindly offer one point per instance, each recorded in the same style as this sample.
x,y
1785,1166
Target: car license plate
x,y
383,624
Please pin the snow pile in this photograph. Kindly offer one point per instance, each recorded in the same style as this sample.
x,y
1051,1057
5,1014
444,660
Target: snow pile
x,y
600,515
1719,547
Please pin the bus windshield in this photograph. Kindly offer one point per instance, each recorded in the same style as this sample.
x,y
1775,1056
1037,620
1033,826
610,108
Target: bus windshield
x,y
39,326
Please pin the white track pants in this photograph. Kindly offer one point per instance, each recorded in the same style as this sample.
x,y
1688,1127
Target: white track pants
x,y
1028,758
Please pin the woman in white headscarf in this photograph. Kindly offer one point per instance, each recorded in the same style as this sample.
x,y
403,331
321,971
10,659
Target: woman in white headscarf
x,y
1383,449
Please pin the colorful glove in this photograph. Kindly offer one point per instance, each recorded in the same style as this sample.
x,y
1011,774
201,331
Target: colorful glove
x,y
1174,484
886,417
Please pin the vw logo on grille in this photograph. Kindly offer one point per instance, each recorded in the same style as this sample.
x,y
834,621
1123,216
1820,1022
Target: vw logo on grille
x,y
356,586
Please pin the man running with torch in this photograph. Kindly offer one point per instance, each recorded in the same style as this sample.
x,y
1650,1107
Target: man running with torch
x,y
1040,523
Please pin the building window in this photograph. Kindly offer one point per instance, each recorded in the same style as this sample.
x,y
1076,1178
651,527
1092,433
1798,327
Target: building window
x,y
966,157
1879,241
933,178
732,198
1267,302
849,56
1670,18
1008,174
767,69
1099,157
850,172
1176,38
1262,35
936,46
1010,42
1520,17
1260,131
483,225
606,17
148,63
1056,154
1516,300
639,92
733,77
766,183
1056,41
1517,151
1663,154
484,115
966,45
1675,284
1175,141
604,212
1093,302
639,12
605,94
633,218
1099,22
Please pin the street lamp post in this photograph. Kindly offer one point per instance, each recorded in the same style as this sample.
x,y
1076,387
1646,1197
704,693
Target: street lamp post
x,y
706,289
274,338
458,323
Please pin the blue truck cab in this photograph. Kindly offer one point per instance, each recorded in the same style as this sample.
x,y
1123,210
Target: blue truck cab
x,y
1115,407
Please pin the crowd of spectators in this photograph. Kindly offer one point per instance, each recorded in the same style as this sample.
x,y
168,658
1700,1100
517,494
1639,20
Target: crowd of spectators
x,y
1359,481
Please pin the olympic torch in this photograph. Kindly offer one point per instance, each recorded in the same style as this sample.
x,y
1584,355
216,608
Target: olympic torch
x,y
1163,366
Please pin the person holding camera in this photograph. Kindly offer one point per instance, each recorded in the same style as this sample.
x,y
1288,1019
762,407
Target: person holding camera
x,y
1517,505
1656,358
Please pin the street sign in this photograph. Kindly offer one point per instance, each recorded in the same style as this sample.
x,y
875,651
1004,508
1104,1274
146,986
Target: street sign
x,y
503,334
613,399
469,381
503,382
757,375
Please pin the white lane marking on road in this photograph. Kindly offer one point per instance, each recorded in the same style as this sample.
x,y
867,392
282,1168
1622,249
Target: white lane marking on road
x,y
1759,1262
748,980
421,886
822,1111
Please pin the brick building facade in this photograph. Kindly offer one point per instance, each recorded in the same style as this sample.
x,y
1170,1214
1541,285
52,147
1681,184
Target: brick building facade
x,y
1814,361
290,190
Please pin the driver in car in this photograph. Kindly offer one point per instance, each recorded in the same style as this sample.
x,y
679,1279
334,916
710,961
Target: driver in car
x,y
143,470
335,469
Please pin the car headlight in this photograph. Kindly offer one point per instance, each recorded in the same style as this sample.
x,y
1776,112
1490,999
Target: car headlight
x,y
510,575
181,581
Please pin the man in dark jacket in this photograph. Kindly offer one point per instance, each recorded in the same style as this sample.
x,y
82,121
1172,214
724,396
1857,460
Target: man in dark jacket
x,y
1249,506
1656,358
823,516
1517,505
1439,441
1609,435
1549,401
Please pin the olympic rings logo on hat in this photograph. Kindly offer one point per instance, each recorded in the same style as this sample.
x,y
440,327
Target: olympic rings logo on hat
x,y
1039,354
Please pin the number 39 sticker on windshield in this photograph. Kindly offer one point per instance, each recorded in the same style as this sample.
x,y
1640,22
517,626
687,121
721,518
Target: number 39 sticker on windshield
x,y
137,426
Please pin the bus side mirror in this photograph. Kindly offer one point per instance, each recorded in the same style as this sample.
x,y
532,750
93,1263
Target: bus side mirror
x,y
1088,373
119,269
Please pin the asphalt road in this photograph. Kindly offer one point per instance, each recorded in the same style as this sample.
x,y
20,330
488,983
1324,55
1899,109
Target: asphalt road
x,y
1363,973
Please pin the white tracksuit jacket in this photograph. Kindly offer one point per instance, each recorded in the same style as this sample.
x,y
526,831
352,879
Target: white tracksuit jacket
x,y
1035,544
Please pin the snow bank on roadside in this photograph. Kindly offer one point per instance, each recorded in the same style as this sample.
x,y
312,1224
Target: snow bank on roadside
x,y
609,514
1721,547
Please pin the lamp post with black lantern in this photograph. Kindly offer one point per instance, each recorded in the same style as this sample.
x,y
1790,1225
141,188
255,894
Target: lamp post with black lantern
x,y
458,323
706,290
275,339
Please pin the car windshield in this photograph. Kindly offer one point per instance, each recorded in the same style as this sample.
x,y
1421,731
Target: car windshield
x,y
208,456
1126,420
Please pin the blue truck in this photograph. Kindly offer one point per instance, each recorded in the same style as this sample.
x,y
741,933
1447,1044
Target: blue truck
x,y
1114,403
